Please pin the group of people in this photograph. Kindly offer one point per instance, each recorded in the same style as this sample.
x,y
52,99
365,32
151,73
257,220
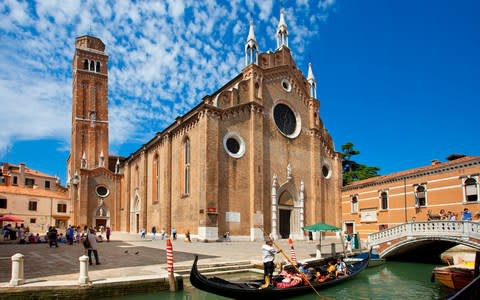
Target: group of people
x,y
290,278
163,234
466,215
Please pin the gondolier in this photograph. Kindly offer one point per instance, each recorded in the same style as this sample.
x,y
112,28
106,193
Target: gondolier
x,y
268,256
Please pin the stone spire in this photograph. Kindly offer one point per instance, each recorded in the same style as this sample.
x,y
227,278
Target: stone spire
x,y
282,31
251,47
312,81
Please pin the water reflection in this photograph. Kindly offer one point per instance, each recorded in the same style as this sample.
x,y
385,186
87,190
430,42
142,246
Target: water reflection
x,y
393,280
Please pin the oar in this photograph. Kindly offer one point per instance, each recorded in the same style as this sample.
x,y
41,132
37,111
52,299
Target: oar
x,y
292,263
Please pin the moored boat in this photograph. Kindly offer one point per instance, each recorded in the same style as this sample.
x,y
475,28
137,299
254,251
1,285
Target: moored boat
x,y
250,289
375,259
455,276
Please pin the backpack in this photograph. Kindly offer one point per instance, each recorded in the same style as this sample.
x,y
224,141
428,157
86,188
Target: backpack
x,y
86,242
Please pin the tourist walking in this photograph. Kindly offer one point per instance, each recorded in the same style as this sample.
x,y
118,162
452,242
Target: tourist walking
x,y
108,233
154,233
174,233
92,240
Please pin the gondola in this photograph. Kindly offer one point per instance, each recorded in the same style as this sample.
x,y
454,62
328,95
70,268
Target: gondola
x,y
250,289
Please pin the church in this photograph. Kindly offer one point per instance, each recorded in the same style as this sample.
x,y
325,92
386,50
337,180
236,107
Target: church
x,y
249,159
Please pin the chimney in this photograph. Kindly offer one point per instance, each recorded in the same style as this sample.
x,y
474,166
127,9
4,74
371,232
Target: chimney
x,y
435,162
22,169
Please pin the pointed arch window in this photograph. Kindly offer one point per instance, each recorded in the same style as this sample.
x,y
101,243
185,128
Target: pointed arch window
x,y
137,177
471,189
85,64
354,206
97,67
155,179
92,66
420,196
384,200
186,167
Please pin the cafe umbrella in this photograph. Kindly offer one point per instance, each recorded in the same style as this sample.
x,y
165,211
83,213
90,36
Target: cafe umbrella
x,y
321,227
11,218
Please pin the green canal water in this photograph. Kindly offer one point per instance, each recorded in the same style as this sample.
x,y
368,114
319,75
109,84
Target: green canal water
x,y
393,280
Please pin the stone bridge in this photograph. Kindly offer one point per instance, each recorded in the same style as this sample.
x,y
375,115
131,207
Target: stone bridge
x,y
422,241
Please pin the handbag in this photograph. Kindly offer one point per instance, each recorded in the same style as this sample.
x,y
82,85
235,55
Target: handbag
x,y
86,242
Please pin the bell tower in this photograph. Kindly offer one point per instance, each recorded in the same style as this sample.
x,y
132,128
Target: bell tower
x,y
89,146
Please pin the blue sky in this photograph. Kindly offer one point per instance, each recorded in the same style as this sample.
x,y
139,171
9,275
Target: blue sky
x,y
399,79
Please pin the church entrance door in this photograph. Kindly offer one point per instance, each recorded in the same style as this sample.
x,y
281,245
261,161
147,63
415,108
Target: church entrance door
x,y
284,223
100,222
137,223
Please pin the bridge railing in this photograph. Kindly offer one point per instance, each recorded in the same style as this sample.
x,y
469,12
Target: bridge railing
x,y
454,229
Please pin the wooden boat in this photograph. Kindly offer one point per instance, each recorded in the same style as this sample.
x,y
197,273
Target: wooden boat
x,y
455,276
250,289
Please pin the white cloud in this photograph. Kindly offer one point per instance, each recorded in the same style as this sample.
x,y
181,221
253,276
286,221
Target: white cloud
x,y
163,58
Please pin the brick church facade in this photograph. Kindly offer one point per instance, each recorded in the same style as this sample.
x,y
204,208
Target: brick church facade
x,y
252,156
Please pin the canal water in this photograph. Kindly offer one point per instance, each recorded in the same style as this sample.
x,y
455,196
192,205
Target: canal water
x,y
393,280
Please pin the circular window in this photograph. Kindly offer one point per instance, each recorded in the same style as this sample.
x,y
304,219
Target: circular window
x,y
326,170
234,144
102,191
286,85
286,120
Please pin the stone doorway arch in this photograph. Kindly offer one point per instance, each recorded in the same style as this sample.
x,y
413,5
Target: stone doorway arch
x,y
287,210
135,215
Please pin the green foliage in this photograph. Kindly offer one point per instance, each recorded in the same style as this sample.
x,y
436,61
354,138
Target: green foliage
x,y
353,171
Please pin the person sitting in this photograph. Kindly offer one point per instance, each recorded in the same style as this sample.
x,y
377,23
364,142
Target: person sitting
x,y
321,277
61,239
331,269
31,238
290,279
303,268
340,268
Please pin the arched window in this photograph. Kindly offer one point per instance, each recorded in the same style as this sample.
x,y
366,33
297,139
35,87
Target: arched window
x,y
471,189
155,179
85,64
186,167
384,200
420,196
137,177
92,66
97,68
354,204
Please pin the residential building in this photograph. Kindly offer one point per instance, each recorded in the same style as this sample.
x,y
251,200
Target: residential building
x,y
35,197
413,195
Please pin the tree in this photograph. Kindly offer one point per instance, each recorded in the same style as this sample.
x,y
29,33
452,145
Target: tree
x,y
353,171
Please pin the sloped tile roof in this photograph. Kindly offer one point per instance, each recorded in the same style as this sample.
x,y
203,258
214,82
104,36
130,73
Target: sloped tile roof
x,y
38,192
445,166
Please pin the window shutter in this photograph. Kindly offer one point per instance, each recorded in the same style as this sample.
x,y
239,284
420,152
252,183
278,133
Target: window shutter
x,y
471,189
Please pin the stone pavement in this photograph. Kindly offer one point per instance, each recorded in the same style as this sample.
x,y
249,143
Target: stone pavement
x,y
127,256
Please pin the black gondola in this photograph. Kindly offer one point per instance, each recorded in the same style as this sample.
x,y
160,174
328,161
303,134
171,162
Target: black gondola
x,y
250,289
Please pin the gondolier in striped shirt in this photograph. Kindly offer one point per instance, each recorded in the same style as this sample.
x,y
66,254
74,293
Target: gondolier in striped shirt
x,y
268,256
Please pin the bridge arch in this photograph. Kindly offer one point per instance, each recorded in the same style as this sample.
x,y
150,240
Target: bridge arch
x,y
425,240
